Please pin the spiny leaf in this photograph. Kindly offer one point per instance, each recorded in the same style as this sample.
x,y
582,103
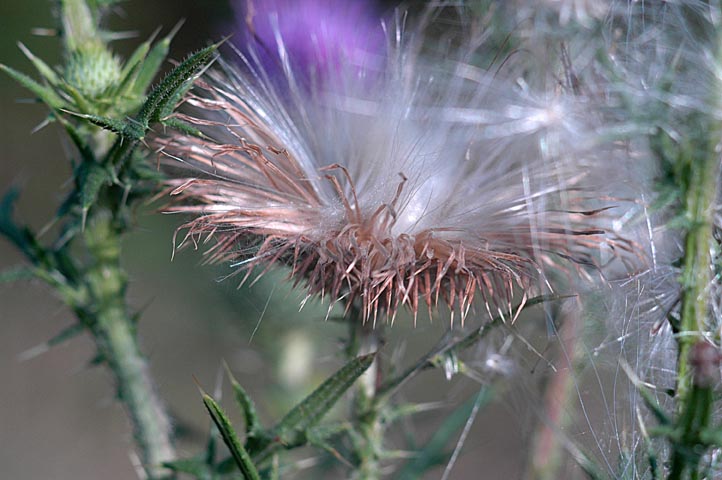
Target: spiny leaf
x,y
81,103
397,412
241,457
127,76
65,334
91,178
15,274
319,437
81,144
134,62
245,403
43,68
21,236
153,61
46,94
290,430
120,127
181,126
176,81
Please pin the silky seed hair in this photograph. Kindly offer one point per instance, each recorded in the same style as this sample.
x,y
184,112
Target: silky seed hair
x,y
407,177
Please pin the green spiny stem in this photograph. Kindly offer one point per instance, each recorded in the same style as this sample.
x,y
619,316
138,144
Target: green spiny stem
x,y
365,338
696,275
113,329
693,406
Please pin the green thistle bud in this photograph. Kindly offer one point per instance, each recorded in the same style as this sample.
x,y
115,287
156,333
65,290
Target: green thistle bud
x,y
92,69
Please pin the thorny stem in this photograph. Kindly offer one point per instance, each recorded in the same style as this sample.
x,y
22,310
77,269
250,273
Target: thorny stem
x,y
113,329
693,401
366,338
96,293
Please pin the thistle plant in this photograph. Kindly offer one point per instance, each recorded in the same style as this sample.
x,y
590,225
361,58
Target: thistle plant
x,y
106,106
463,163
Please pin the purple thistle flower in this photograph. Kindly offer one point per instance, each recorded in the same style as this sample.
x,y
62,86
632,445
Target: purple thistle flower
x,y
315,34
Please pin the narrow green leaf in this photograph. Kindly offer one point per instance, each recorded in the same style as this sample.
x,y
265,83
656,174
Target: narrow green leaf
x,y
46,94
15,274
245,403
21,236
179,79
434,453
115,126
79,24
82,104
191,466
153,62
66,334
590,468
647,397
291,429
43,68
90,177
712,436
81,144
125,128
241,457
181,126
125,83
134,61
321,437
275,473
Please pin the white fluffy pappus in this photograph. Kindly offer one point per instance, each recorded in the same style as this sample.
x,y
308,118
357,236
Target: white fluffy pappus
x,y
664,79
422,180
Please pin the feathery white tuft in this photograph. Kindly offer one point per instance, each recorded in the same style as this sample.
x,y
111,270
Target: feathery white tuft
x,y
411,177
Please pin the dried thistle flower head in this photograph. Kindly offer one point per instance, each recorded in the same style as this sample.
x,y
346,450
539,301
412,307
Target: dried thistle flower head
x,y
429,180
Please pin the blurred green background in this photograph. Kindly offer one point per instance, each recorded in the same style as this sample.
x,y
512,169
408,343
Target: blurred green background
x,y
58,416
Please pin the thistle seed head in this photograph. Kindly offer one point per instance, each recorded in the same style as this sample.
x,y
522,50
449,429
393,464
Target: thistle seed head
x,y
427,181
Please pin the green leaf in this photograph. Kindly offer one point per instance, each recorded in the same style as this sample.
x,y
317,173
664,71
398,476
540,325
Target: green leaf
x,y
181,126
15,274
66,334
43,68
179,80
44,93
245,403
292,428
91,178
191,466
125,128
135,61
241,457
81,144
647,397
79,24
153,62
712,436
319,437
434,452
21,236
81,103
